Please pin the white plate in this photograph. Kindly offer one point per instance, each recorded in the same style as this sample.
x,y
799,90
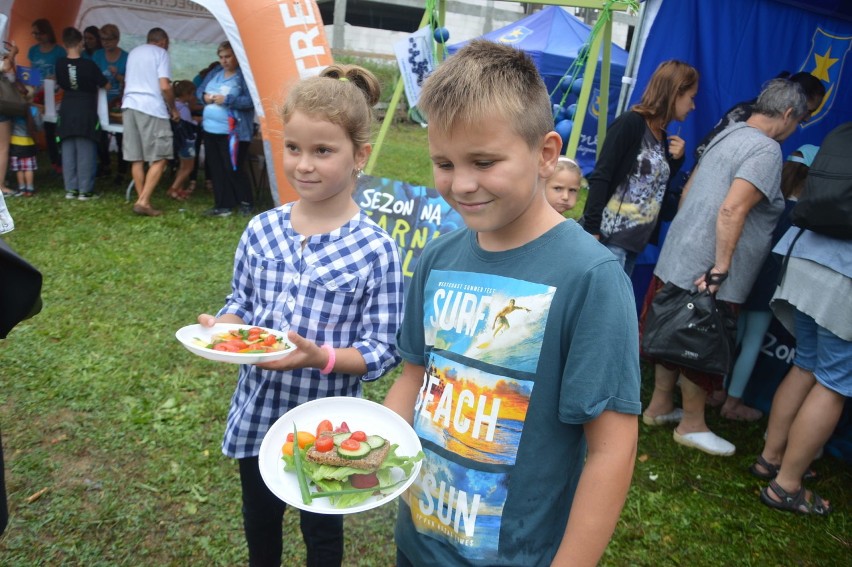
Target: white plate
x,y
188,334
359,414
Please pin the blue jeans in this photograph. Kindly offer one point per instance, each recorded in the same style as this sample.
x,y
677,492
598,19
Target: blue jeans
x,y
263,516
626,258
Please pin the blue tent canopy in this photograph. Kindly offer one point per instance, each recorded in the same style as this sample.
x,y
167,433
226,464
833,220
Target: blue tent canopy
x,y
553,39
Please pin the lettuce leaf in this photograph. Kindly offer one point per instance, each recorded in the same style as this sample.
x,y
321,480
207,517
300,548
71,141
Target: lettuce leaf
x,y
329,478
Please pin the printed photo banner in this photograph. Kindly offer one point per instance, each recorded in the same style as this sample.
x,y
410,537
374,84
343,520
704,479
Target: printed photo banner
x,y
412,214
416,62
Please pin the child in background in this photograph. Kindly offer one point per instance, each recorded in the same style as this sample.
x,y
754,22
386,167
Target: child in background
x,y
22,148
530,435
563,186
186,134
755,315
320,267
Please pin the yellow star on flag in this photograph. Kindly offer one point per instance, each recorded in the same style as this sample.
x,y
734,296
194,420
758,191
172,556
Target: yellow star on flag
x,y
823,64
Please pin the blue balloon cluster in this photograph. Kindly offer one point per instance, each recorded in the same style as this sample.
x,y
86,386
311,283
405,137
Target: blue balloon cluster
x,y
563,115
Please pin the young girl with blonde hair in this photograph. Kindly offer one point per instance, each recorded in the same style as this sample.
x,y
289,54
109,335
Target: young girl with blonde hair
x,y
322,269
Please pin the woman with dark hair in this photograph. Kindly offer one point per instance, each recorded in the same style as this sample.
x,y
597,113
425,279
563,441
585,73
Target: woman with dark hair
x,y
637,159
43,56
812,87
228,111
91,41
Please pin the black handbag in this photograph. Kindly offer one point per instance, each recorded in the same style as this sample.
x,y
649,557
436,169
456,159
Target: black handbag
x,y
689,328
11,101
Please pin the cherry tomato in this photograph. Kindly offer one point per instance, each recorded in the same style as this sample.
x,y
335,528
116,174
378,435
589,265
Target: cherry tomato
x,y
324,444
368,480
289,438
350,445
270,340
303,438
359,436
287,449
343,428
324,425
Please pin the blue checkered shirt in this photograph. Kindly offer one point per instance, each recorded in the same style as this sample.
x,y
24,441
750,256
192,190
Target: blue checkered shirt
x,y
343,288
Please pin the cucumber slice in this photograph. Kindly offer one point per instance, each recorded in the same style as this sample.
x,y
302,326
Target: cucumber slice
x,y
375,442
362,451
340,438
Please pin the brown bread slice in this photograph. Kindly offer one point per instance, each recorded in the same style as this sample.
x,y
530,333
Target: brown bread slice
x,y
371,462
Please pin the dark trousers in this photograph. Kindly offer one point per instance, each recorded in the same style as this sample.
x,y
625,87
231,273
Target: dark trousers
x,y
263,516
52,146
230,187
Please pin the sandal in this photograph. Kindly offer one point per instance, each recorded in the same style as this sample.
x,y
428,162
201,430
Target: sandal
x,y
795,502
772,470
174,194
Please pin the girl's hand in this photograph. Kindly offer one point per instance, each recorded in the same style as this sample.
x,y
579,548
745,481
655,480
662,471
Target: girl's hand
x,y
307,355
206,320
676,147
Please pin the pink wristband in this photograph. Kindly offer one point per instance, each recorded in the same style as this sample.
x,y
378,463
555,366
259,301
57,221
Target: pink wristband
x,y
332,358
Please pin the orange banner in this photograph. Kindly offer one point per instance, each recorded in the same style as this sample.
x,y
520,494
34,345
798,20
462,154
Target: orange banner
x,y
284,41
59,14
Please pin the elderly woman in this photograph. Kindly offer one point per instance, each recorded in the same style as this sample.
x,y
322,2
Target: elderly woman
x,y
112,61
228,110
738,178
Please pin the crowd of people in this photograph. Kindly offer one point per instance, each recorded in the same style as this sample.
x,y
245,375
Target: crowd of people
x,y
574,375
160,126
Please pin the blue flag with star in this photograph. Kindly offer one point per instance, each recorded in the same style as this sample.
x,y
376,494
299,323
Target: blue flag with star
x,y
737,46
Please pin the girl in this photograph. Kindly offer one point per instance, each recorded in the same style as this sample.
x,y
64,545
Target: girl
x,y
756,316
185,137
563,186
637,160
320,267
43,56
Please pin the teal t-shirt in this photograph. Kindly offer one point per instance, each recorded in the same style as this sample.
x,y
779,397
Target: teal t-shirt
x,y
521,348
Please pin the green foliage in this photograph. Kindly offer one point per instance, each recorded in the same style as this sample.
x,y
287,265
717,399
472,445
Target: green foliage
x,y
118,428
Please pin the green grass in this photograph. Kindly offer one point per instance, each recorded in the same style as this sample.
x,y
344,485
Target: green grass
x,y
120,427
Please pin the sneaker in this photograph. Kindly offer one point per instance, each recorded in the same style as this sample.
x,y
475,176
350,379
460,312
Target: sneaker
x,y
214,212
71,194
88,196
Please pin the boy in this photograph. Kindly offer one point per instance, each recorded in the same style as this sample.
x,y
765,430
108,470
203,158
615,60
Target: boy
x,y
505,420
22,147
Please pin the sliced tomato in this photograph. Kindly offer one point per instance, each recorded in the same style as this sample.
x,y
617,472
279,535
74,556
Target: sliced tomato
x,y
324,444
289,438
324,425
255,331
358,436
343,428
368,480
226,347
350,445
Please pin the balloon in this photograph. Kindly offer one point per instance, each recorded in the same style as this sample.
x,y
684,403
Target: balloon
x,y
441,35
563,86
563,128
571,111
578,84
559,113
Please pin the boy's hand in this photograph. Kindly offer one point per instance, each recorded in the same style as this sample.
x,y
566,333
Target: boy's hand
x,y
307,355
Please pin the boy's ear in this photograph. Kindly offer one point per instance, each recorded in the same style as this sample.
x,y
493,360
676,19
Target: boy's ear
x,y
551,147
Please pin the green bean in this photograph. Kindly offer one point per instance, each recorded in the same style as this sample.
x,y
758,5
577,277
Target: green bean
x,y
300,472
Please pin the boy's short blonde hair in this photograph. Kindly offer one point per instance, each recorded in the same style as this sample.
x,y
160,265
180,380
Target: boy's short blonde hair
x,y
487,81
